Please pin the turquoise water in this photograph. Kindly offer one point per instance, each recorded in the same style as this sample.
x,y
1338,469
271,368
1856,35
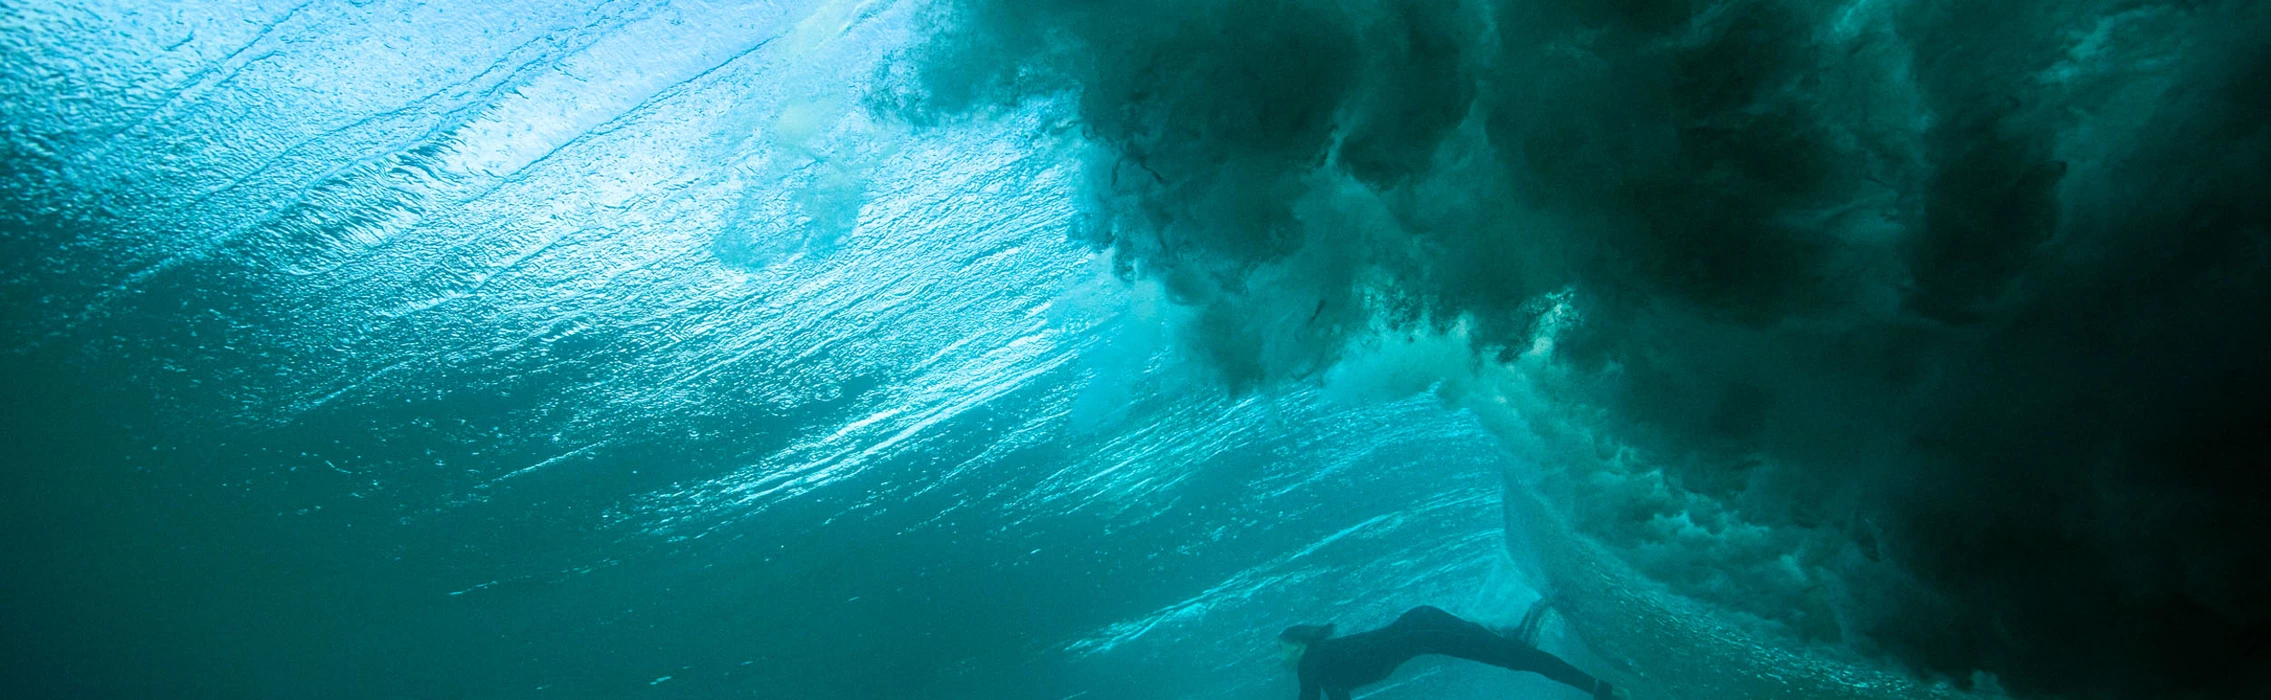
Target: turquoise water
x,y
688,350
379,394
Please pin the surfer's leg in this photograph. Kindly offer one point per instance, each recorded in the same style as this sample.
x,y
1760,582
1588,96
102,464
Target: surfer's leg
x,y
1451,636
1523,657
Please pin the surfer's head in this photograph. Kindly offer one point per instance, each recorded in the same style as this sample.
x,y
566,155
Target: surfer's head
x,y
1296,639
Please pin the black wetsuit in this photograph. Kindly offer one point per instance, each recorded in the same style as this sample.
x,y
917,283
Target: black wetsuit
x,y
1334,666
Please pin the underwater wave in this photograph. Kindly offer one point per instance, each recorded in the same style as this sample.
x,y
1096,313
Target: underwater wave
x,y
994,348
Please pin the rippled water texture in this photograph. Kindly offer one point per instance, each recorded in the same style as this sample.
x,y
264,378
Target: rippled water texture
x,y
610,350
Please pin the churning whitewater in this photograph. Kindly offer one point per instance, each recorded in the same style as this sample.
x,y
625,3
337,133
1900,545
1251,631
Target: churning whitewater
x,y
1033,349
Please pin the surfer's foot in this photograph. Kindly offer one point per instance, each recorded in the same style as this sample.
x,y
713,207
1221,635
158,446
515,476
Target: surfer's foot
x,y
1533,620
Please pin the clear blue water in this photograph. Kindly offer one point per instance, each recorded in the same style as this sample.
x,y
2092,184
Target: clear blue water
x,y
631,350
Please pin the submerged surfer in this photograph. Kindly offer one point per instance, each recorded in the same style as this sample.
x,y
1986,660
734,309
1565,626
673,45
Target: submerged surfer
x,y
1333,665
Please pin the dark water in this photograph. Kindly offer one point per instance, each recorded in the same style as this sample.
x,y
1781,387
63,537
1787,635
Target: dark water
x,y
670,349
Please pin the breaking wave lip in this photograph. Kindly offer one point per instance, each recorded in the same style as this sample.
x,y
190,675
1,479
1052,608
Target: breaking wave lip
x,y
1850,276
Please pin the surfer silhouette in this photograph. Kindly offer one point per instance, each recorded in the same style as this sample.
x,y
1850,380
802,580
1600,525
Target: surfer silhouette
x,y
1332,666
